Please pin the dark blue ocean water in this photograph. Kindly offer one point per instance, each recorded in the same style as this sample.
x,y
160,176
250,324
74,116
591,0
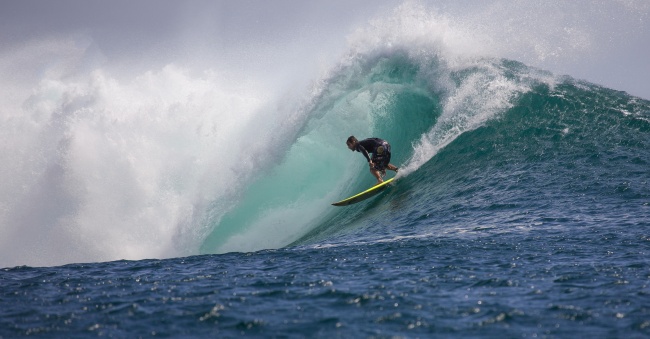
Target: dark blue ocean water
x,y
523,217
549,282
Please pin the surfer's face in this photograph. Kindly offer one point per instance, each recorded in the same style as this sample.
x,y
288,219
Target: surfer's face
x,y
350,146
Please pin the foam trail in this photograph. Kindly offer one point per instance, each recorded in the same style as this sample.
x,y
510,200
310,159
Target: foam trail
x,y
481,96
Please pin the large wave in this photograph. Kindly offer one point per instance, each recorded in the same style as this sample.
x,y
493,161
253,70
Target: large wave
x,y
399,81
171,162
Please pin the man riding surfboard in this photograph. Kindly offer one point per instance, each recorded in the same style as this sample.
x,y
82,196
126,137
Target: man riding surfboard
x,y
380,150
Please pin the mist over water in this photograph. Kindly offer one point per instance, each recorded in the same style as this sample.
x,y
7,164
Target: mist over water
x,y
121,170
104,161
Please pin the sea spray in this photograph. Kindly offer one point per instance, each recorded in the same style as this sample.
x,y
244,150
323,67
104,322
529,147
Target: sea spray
x,y
105,169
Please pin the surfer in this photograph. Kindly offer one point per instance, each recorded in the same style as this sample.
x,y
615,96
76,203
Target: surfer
x,y
380,150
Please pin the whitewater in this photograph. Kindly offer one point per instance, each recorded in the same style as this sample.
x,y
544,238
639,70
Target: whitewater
x,y
194,200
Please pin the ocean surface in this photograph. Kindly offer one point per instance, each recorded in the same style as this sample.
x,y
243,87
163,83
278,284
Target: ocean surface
x,y
522,206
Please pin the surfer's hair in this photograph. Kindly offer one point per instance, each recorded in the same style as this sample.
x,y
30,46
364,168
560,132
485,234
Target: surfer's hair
x,y
351,139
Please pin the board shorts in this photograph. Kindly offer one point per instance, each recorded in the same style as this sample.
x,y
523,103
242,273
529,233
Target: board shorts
x,y
381,157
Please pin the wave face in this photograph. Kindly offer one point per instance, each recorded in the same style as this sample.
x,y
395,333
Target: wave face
x,y
171,162
495,144
570,155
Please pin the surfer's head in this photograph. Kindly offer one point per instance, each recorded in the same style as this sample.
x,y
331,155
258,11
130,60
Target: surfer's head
x,y
352,143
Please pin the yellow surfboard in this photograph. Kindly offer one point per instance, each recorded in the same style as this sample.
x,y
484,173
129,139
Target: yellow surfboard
x,y
372,191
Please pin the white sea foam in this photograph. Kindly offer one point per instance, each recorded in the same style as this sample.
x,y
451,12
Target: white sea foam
x,y
95,168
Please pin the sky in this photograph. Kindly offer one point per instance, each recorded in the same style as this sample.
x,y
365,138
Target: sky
x,y
606,42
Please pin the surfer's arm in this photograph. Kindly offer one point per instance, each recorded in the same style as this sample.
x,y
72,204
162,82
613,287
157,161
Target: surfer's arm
x,y
365,153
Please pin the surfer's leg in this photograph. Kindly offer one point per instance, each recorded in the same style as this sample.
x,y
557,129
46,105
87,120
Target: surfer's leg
x,y
385,164
377,175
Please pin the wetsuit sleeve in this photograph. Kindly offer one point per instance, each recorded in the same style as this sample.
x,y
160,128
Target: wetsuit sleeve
x,y
364,152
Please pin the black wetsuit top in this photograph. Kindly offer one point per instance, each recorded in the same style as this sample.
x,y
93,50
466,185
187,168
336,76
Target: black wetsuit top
x,y
380,150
